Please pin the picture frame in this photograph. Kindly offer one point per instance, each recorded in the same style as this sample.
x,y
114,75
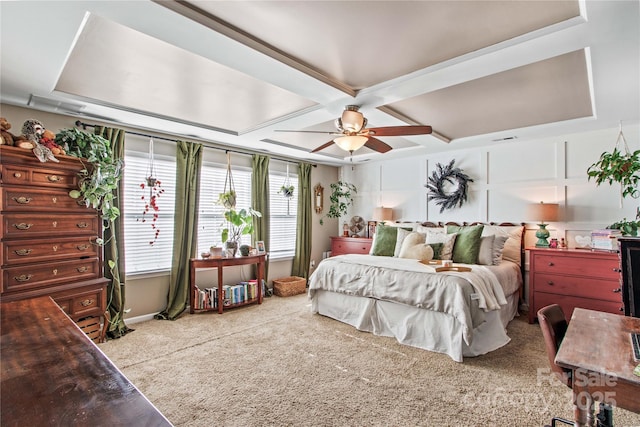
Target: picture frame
x,y
260,247
371,228
318,198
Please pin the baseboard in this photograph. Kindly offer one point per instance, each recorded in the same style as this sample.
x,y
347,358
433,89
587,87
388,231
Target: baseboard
x,y
138,319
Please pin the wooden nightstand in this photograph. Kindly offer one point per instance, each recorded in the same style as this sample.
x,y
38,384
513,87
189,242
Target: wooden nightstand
x,y
574,278
350,245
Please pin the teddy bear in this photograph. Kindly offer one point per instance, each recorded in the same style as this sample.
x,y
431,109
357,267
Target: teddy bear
x,y
33,130
5,136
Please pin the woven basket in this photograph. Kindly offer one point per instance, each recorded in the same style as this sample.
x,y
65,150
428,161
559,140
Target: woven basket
x,y
288,286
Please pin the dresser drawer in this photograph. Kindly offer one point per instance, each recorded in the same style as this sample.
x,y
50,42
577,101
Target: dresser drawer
x,y
34,199
25,277
580,286
42,177
82,304
592,266
568,303
44,225
341,246
16,252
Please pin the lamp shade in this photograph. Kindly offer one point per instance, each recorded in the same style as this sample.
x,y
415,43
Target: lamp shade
x,y
383,214
543,212
350,143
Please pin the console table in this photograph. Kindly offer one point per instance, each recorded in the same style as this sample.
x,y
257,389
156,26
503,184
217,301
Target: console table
x,y
220,263
52,374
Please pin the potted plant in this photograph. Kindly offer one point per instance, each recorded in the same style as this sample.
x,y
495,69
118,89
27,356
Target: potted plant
x,y
227,199
238,223
616,166
99,179
341,198
287,191
628,228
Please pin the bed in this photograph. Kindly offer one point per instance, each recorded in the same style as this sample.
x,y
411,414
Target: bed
x,y
403,295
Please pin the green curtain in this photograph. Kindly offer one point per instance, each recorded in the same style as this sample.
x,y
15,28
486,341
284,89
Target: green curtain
x,y
260,202
302,256
113,248
185,242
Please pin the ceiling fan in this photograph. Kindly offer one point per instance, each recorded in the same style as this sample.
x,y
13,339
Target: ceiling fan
x,y
352,133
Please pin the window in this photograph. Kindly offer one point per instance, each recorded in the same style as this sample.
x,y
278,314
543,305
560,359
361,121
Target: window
x,y
283,216
210,215
140,255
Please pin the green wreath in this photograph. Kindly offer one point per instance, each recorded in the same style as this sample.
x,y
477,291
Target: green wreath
x,y
442,175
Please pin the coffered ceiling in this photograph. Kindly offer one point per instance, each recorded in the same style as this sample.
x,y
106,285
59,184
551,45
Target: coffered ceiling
x,y
236,72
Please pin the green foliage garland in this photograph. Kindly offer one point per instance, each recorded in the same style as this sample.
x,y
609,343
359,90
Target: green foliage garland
x,y
437,181
341,197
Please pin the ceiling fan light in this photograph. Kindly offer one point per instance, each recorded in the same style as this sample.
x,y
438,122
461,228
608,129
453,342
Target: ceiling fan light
x,y
352,121
350,143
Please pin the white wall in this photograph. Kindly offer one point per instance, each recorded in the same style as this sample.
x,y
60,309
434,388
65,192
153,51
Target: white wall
x,y
507,178
147,294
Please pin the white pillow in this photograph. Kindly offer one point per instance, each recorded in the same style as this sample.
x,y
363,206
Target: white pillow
x,y
485,256
498,247
402,234
512,247
447,240
414,247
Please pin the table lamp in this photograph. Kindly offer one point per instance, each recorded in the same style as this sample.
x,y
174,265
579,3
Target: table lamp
x,y
382,214
543,212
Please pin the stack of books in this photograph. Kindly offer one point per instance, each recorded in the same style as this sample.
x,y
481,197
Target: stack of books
x,y
606,240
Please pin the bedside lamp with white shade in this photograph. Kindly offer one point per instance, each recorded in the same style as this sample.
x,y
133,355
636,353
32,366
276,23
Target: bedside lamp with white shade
x,y
543,212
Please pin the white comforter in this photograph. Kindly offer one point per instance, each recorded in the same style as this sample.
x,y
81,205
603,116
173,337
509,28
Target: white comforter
x,y
466,296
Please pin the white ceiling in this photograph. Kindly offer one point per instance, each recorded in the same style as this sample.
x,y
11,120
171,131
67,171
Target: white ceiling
x,y
234,72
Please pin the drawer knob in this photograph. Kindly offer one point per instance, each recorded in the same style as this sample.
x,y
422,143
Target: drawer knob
x,y
22,200
87,302
617,270
22,252
551,264
23,226
82,269
54,178
82,247
23,278
17,175
621,308
618,290
550,283
82,225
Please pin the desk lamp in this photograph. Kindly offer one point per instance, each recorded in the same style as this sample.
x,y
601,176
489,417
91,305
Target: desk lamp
x,y
543,212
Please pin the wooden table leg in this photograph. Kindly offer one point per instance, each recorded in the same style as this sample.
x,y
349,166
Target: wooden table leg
x,y
583,406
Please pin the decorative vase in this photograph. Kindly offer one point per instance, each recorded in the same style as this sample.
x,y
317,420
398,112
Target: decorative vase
x,y
244,250
231,248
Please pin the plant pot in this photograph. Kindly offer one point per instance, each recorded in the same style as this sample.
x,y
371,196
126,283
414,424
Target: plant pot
x,y
244,250
231,248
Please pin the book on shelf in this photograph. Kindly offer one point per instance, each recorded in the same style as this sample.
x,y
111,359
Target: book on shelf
x,y
605,239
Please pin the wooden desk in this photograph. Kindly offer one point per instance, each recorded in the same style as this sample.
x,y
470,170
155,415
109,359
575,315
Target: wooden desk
x,y
52,374
220,263
597,347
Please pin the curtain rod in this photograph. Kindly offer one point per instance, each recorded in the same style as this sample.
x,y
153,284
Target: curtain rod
x,y
226,150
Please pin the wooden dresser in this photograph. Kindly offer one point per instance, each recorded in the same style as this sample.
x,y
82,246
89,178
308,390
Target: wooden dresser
x,y
574,278
350,245
48,239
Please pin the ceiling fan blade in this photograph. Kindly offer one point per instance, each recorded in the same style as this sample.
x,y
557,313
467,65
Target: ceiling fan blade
x,y
400,130
377,145
322,147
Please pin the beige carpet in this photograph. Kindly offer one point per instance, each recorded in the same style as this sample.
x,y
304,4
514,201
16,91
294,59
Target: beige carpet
x,y
278,364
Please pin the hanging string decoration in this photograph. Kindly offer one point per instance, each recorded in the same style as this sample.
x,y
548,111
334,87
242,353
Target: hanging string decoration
x,y
153,184
448,186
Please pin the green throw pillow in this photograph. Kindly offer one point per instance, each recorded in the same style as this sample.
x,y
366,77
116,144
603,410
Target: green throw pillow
x,y
437,249
384,242
467,245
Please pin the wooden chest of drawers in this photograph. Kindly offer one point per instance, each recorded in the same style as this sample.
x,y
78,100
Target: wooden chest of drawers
x,y
48,239
350,245
574,278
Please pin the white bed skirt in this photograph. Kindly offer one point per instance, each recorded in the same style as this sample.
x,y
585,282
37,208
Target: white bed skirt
x,y
417,327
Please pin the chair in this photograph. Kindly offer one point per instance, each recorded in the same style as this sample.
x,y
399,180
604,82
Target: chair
x,y
554,324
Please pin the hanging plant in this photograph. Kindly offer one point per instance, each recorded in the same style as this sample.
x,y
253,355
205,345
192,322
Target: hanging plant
x,y
440,179
287,189
620,166
228,197
153,184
